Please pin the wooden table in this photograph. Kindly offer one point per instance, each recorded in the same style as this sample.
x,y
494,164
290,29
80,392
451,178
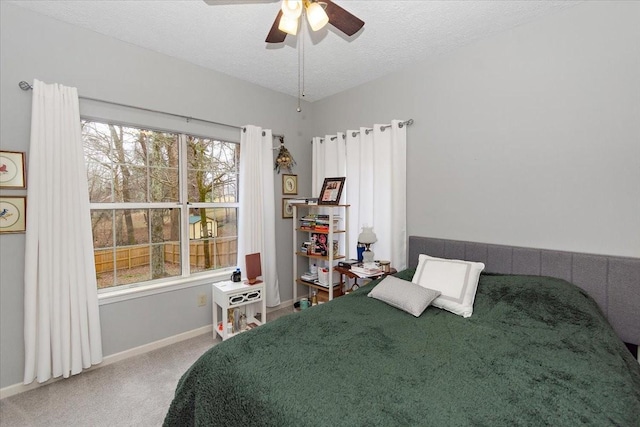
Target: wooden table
x,y
351,275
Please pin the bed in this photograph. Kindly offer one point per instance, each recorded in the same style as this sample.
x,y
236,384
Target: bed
x,y
537,350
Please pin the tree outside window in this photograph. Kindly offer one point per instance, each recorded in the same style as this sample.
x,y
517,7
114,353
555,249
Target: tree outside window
x,y
148,190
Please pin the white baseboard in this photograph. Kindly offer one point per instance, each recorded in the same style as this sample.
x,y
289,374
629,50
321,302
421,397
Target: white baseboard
x,y
14,389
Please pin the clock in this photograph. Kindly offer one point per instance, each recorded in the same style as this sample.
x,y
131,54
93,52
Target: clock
x,y
289,184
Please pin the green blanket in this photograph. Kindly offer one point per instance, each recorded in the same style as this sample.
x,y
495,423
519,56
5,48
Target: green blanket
x,y
537,351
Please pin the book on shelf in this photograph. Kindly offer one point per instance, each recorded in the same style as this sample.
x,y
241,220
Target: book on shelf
x,y
309,277
319,223
297,201
304,200
347,263
320,217
319,283
316,228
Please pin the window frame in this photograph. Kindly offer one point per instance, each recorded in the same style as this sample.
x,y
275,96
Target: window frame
x,y
187,279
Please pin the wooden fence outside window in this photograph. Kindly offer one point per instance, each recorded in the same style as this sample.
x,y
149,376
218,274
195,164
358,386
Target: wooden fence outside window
x,y
223,252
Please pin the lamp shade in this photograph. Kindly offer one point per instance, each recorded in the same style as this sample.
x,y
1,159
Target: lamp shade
x,y
367,236
292,8
316,16
288,24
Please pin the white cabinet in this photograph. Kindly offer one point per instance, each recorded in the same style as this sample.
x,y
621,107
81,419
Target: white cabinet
x,y
229,295
336,218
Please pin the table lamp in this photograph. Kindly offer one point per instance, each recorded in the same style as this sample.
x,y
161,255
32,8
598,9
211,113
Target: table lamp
x,y
368,237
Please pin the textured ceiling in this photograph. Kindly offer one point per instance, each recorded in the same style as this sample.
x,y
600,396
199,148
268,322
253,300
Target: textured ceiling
x,y
230,37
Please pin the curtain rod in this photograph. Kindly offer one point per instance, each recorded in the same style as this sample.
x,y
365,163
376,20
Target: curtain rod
x,y
366,131
26,86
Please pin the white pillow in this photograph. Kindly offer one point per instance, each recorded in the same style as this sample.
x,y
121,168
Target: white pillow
x,y
404,295
456,280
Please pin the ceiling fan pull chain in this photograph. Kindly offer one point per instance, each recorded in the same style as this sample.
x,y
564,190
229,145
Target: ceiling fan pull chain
x,y
303,32
301,64
299,86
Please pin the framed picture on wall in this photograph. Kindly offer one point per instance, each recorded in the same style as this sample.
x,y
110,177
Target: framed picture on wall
x,y
12,170
289,184
287,209
331,191
13,214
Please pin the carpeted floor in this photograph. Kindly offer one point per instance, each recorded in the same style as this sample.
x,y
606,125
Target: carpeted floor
x,y
133,392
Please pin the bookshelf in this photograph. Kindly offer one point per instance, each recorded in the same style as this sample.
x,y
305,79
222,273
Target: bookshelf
x,y
320,234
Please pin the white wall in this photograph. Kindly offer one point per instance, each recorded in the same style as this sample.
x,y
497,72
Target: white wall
x,y
527,138
530,137
35,46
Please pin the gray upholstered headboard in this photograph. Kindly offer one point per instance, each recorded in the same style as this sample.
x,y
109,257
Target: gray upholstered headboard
x,y
613,282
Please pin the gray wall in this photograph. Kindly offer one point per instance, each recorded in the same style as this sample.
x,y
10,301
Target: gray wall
x,y
528,138
34,46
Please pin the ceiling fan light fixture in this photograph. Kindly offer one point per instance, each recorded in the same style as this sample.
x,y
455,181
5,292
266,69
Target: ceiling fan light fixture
x,y
292,8
288,24
316,16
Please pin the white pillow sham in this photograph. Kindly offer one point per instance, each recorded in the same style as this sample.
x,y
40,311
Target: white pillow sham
x,y
457,281
404,295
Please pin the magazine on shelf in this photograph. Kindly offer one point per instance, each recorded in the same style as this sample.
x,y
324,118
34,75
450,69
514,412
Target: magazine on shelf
x,y
366,269
320,245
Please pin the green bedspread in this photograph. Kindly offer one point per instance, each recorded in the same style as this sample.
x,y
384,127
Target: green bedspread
x,y
537,351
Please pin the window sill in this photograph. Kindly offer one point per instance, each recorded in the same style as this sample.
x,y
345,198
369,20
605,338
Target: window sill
x,y
118,295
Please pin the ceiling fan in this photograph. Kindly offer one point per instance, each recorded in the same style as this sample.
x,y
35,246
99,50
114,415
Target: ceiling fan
x,y
318,12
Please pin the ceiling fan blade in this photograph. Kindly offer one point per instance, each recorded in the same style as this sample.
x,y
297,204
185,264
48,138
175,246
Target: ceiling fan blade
x,y
275,35
343,20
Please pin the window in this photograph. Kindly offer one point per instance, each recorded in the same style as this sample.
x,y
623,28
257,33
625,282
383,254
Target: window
x,y
163,205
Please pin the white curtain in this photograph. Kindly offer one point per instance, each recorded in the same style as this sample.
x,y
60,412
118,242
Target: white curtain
x,y
61,325
329,160
257,207
374,163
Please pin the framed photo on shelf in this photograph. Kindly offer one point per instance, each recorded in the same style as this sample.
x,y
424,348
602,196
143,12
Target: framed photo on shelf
x,y
331,191
287,209
13,214
12,170
289,184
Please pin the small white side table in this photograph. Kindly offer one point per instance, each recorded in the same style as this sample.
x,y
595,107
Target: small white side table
x,y
230,294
